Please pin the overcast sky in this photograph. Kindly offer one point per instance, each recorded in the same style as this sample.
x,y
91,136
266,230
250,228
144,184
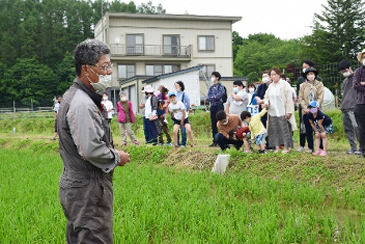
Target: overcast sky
x,y
284,18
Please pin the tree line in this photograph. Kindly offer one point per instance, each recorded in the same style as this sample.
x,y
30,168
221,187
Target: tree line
x,y
37,38
338,32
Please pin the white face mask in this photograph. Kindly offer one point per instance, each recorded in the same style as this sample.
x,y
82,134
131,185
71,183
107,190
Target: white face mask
x,y
304,69
123,99
346,74
105,98
311,77
212,79
265,80
251,90
103,83
224,123
174,101
363,61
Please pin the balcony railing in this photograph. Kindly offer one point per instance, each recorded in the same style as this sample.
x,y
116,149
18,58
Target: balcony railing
x,y
151,50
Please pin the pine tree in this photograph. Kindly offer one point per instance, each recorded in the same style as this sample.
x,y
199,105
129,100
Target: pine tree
x,y
338,32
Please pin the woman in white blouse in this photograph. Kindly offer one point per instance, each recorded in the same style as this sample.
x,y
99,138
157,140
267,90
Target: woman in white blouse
x,y
281,121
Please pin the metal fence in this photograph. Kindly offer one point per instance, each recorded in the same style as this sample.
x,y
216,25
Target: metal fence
x,y
330,75
26,109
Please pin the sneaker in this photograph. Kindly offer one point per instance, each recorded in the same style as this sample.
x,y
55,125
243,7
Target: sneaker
x,y
316,153
54,138
351,151
213,145
357,152
262,152
124,143
182,146
169,144
161,144
250,151
300,149
309,150
285,151
323,153
154,144
136,143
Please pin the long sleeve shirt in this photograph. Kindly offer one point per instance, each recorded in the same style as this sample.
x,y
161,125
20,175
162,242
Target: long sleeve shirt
x,y
85,137
215,94
184,98
359,76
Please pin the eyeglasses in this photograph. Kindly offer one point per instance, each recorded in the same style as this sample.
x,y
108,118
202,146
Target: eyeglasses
x,y
104,67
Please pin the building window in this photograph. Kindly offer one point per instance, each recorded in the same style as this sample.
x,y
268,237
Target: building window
x,y
207,71
206,43
126,71
134,44
171,45
159,69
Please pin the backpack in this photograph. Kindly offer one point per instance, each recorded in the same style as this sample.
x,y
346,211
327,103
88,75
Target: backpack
x,y
224,98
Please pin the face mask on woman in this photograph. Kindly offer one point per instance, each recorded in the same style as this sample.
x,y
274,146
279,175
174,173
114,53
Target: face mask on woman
x,y
123,99
251,90
265,80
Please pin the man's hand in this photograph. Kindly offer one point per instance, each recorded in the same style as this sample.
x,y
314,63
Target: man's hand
x,y
287,116
124,158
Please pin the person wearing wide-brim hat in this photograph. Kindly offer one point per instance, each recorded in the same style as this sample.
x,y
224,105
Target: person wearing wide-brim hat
x,y
359,110
310,90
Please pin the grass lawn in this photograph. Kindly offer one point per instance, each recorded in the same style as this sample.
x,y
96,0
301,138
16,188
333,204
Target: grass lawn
x,y
171,196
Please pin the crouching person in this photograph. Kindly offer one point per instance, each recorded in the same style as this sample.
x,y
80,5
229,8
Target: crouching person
x,y
226,123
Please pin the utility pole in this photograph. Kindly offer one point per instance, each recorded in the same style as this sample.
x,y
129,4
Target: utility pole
x,y
102,21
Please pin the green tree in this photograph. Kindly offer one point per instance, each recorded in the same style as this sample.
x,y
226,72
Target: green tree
x,y
148,8
29,79
260,52
237,41
338,33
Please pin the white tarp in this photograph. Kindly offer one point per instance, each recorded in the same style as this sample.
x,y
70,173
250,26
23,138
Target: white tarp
x,y
328,100
221,163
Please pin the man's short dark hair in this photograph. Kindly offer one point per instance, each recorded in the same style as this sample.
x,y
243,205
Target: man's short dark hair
x,y
181,84
221,115
344,64
89,52
309,62
216,74
245,114
59,96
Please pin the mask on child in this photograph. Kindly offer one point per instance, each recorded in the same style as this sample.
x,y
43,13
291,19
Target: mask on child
x,y
313,110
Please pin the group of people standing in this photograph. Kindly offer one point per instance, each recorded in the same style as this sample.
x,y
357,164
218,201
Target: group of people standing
x,y
275,101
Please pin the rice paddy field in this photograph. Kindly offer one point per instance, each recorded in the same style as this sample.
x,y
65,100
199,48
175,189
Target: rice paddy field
x,y
171,196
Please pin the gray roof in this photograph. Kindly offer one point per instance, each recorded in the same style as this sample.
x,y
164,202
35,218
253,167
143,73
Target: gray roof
x,y
232,19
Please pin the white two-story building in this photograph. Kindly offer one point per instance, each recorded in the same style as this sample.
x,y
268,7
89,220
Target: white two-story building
x,y
147,48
